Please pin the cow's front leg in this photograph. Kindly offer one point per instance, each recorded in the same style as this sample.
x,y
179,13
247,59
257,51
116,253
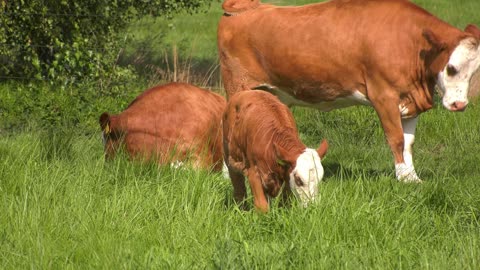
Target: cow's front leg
x,y
259,199
406,171
239,189
389,114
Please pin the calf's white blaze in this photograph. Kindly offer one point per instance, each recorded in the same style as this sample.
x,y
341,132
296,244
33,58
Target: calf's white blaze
x,y
454,79
309,171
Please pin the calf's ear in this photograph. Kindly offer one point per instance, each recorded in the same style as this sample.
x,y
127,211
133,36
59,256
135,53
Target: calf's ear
x,y
281,155
434,40
322,149
104,121
472,29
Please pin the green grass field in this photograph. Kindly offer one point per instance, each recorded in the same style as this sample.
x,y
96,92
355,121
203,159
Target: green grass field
x,y
63,207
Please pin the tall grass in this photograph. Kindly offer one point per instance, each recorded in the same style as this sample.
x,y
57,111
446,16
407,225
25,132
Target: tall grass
x,y
63,206
179,49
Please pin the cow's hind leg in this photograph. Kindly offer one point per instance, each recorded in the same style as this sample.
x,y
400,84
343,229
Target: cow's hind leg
x,y
236,77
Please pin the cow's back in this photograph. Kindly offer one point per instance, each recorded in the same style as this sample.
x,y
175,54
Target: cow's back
x,y
172,121
252,120
253,114
322,51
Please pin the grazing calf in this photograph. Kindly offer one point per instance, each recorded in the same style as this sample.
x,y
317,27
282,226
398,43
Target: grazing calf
x,y
170,123
261,142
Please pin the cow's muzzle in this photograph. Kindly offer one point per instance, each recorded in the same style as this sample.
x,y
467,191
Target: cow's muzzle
x,y
458,106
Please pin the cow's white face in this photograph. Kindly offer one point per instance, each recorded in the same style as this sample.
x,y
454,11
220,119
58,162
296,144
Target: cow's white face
x,y
306,176
454,79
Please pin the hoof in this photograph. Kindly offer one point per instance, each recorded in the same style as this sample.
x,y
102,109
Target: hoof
x,y
410,179
406,174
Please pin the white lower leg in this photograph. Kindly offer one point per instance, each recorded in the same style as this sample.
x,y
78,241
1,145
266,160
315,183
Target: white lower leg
x,y
225,171
406,171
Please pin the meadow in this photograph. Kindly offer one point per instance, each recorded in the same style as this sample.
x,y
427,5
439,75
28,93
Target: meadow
x,y
63,207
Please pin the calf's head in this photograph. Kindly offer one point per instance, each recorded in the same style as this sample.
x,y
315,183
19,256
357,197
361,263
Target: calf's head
x,y
306,171
454,79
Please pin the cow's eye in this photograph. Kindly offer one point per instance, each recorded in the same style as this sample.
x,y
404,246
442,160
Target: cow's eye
x,y
298,180
451,70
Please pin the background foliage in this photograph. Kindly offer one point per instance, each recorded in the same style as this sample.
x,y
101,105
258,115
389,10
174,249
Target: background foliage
x,y
59,59
63,207
65,62
69,40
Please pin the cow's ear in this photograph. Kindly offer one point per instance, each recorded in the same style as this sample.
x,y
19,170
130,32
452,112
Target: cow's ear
x,y
433,40
322,149
104,121
472,29
281,155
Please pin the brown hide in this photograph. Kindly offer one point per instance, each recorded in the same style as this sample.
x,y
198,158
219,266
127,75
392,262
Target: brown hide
x,y
389,51
233,7
255,125
171,122
323,51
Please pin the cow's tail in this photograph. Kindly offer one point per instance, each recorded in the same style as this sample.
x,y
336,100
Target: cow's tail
x,y
235,7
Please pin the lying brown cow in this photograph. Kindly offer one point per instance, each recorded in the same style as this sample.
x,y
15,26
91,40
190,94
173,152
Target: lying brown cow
x,y
261,142
170,123
386,54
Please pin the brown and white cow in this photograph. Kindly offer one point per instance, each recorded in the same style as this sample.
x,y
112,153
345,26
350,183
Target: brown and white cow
x,y
261,142
386,54
169,123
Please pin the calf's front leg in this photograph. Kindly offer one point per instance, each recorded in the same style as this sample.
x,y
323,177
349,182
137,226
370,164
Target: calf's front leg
x,y
259,198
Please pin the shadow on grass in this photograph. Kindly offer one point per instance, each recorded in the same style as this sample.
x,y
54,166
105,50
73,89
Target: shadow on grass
x,y
336,171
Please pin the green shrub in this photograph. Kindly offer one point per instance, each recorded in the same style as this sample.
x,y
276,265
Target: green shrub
x,y
43,106
67,41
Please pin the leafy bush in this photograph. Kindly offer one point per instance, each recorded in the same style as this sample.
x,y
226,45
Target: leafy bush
x,y
67,41
75,108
